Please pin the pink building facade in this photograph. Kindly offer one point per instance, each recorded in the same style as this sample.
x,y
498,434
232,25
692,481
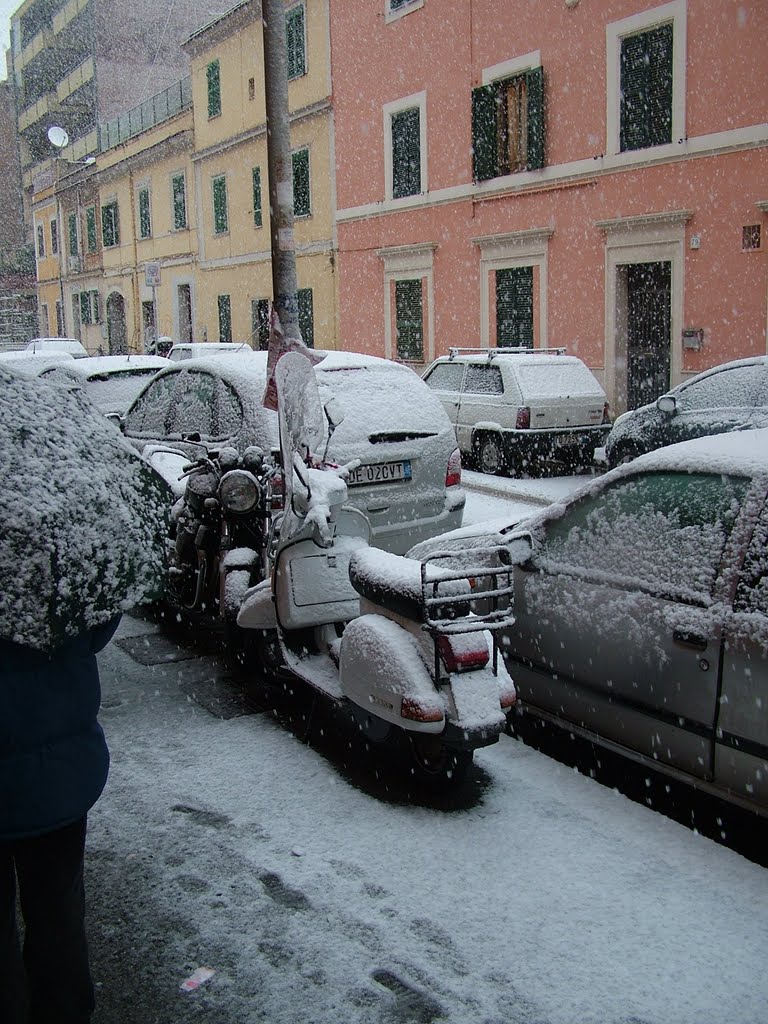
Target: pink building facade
x,y
587,174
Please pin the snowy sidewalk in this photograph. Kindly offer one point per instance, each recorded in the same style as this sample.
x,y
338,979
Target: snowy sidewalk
x,y
225,842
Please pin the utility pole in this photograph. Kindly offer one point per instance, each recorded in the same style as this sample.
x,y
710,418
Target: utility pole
x,y
280,168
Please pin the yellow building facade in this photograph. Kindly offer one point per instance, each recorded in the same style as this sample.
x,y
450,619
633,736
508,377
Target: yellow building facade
x,y
168,232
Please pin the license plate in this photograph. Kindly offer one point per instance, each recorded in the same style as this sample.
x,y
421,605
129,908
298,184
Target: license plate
x,y
380,473
565,440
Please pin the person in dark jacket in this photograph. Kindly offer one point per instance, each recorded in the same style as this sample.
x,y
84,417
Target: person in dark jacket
x,y
53,768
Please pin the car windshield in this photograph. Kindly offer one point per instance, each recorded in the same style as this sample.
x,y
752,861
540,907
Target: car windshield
x,y
117,390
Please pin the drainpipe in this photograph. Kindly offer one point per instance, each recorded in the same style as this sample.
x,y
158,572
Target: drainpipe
x,y
280,168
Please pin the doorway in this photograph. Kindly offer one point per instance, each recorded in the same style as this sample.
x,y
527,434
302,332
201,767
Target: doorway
x,y
116,332
649,322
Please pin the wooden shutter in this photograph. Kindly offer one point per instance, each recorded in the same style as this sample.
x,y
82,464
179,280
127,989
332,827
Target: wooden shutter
x,y
409,320
484,133
214,89
535,90
225,318
260,323
179,202
294,38
302,204
646,89
257,218
406,153
220,213
145,221
72,232
514,307
90,228
306,317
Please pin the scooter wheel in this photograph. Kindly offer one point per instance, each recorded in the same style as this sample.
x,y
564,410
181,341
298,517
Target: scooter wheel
x,y
434,764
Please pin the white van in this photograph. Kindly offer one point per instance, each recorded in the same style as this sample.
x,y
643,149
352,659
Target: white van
x,y
44,346
514,407
195,349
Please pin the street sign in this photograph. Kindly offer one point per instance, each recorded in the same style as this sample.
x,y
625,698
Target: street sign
x,y
152,274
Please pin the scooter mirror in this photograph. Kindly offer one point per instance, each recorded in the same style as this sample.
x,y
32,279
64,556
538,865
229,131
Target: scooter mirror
x,y
301,418
334,412
517,549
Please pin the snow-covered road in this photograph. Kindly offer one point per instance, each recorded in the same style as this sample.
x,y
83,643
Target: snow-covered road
x,y
543,898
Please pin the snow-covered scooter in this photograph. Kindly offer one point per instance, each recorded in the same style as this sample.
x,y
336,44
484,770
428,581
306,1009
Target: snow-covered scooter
x,y
409,647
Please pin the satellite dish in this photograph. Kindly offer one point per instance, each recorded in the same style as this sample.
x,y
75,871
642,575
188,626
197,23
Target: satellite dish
x,y
58,137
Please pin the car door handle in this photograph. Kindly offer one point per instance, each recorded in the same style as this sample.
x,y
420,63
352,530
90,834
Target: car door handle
x,y
686,638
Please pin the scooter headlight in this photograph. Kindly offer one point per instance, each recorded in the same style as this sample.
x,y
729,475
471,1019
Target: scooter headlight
x,y
239,491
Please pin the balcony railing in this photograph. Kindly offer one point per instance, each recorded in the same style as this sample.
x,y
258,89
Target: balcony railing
x,y
155,110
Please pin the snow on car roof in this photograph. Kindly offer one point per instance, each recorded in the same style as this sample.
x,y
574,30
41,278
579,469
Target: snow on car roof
x,y
92,365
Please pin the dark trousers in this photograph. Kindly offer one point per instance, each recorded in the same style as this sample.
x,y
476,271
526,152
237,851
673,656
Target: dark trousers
x,y
54,960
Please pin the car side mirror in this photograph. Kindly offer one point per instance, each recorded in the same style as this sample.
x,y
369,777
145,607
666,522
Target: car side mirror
x,y
667,404
517,549
117,419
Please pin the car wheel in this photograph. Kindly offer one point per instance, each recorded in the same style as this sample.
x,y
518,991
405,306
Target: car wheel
x,y
490,456
624,452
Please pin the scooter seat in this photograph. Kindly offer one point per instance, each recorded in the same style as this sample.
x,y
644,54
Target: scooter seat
x,y
394,582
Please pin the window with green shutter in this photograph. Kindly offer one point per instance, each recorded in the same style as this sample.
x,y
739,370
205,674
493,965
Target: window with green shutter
x,y
406,153
145,214
85,308
260,324
179,192
213,76
306,317
514,307
257,215
225,318
646,89
302,200
508,125
40,240
72,239
54,237
220,212
295,41
409,320
110,225
90,229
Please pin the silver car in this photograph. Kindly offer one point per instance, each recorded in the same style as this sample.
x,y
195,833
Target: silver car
x,y
409,480
642,614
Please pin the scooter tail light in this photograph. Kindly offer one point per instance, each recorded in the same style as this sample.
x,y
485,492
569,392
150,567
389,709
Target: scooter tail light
x,y
453,472
418,711
523,418
508,697
463,652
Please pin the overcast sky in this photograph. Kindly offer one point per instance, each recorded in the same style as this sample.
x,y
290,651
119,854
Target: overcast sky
x,y
7,7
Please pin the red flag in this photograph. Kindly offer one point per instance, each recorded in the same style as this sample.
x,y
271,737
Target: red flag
x,y
278,346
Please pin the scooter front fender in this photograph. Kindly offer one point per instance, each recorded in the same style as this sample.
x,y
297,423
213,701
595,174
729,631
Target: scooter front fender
x,y
257,610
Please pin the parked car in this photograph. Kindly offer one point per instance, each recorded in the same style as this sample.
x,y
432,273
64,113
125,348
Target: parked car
x,y
197,349
513,408
110,382
641,617
42,346
732,396
33,364
409,480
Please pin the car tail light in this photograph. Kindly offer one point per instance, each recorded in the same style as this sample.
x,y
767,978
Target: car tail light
x,y
606,414
463,652
523,418
420,711
277,493
453,473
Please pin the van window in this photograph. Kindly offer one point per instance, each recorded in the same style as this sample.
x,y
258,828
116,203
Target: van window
x,y
446,377
484,380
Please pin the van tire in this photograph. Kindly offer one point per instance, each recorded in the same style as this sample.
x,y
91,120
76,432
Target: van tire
x,y
489,454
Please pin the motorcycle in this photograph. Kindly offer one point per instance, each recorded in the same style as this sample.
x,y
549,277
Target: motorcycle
x,y
408,648
219,532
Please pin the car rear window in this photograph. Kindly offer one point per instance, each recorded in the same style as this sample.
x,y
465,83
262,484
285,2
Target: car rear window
x,y
557,379
380,398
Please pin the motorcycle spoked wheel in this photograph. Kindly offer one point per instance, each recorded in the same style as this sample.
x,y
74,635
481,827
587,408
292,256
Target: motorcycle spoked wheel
x,y
434,765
